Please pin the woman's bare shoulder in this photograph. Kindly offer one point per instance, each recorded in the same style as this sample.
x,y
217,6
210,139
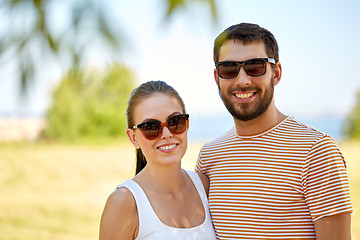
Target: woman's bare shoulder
x,y
120,216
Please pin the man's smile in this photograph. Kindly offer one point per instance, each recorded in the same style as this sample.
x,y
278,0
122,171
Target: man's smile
x,y
244,95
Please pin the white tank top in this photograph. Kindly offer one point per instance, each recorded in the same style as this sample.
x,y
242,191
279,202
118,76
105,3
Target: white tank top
x,y
150,226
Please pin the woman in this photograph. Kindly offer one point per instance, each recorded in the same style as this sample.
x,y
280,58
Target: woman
x,y
162,201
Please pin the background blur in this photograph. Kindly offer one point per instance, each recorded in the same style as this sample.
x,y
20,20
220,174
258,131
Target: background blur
x,y
57,189
318,50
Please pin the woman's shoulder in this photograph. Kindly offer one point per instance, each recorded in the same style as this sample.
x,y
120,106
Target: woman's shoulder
x,y
204,179
120,210
122,196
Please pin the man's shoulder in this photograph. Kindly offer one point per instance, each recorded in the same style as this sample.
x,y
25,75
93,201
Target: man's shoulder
x,y
290,130
299,129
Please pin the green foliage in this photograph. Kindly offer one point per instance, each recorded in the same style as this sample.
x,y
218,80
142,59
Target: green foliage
x,y
90,104
352,124
31,32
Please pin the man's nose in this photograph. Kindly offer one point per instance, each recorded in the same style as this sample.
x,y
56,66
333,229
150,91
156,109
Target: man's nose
x,y
242,79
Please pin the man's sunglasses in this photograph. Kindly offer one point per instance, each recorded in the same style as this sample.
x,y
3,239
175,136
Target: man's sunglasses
x,y
153,129
255,67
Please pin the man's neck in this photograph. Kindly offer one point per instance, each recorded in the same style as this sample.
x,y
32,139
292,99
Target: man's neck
x,y
264,122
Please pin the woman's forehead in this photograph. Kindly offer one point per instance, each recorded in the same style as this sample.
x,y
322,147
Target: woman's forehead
x,y
157,106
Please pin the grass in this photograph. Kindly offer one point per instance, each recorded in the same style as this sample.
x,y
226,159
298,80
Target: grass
x,y
351,152
57,191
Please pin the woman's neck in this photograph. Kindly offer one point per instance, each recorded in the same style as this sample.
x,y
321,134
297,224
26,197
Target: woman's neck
x,y
164,179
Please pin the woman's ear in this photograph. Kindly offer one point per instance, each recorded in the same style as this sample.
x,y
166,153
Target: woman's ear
x,y
131,134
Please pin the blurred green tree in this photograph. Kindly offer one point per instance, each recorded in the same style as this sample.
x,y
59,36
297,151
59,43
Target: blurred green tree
x,y
90,104
30,31
352,124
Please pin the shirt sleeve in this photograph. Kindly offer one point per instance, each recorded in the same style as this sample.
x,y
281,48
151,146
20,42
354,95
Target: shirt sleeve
x,y
325,181
199,165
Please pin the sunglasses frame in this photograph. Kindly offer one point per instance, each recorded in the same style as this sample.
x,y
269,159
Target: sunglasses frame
x,y
242,63
162,124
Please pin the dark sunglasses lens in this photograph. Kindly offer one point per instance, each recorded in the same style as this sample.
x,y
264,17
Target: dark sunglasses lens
x,y
255,67
151,129
228,69
177,124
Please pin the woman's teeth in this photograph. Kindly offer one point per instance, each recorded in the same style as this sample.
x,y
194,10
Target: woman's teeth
x,y
167,147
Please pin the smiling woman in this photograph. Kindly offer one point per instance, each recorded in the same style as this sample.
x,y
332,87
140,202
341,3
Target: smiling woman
x,y
156,141
143,207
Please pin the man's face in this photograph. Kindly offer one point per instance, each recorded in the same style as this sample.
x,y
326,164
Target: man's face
x,y
245,97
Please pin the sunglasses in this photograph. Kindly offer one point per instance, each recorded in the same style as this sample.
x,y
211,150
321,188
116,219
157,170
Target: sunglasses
x,y
255,67
153,129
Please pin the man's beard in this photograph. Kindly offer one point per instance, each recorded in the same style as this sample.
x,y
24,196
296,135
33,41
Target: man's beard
x,y
251,110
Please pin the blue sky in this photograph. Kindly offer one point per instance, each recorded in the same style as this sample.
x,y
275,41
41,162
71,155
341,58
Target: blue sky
x,y
318,41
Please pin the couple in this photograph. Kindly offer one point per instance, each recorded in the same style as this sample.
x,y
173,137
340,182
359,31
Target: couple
x,y
270,177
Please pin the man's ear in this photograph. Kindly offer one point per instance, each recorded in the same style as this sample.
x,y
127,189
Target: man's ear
x,y
131,134
216,76
277,73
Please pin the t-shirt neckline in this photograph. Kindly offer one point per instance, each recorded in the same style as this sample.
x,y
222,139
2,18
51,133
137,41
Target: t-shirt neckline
x,y
262,133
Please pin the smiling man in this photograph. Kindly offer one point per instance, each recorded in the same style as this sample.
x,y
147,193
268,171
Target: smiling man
x,y
271,177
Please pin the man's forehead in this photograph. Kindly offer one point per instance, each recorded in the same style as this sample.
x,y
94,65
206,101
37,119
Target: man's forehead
x,y
236,49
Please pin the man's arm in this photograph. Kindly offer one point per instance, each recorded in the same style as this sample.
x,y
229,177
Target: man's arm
x,y
336,227
205,181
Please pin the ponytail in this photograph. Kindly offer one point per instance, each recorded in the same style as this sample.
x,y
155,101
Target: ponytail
x,y
140,161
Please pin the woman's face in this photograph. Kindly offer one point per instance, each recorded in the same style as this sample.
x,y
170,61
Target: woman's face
x,y
168,148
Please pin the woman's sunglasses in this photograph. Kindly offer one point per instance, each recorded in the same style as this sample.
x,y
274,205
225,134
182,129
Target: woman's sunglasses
x,y
255,67
153,129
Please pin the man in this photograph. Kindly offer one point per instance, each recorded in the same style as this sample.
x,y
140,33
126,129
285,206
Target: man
x,y
271,177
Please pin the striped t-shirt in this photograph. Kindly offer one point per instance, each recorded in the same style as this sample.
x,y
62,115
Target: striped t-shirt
x,y
274,185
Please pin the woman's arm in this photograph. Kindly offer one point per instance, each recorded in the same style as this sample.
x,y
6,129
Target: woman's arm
x,y
119,220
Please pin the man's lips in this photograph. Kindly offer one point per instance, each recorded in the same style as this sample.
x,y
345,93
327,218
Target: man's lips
x,y
244,95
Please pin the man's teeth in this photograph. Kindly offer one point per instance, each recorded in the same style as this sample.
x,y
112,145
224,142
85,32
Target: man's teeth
x,y
244,95
167,147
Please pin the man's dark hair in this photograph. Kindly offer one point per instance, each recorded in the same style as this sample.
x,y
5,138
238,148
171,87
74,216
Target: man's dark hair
x,y
248,33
